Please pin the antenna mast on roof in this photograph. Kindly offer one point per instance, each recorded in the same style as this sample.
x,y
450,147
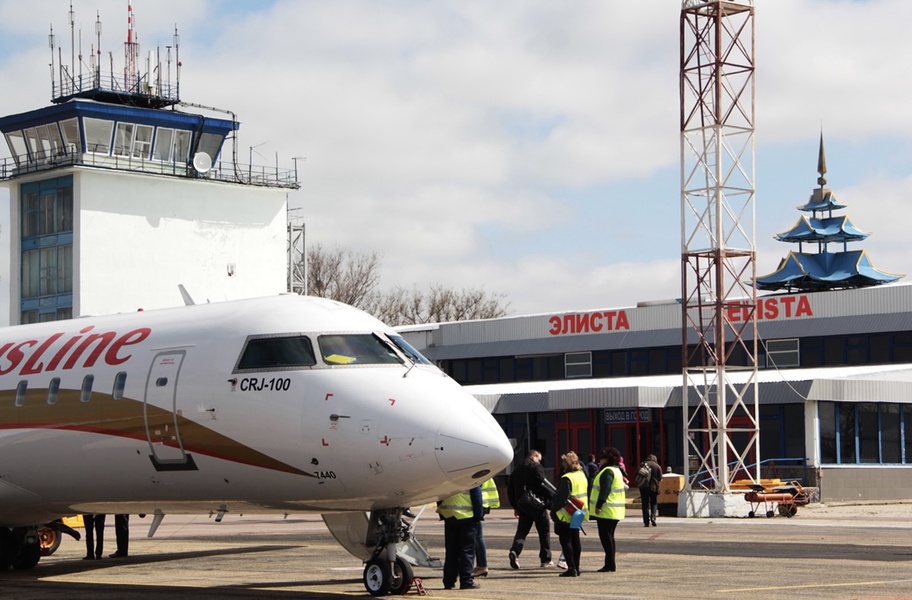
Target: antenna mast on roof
x,y
137,86
131,51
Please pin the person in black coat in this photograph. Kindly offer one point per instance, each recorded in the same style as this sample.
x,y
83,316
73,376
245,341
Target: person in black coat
x,y
530,477
94,536
122,535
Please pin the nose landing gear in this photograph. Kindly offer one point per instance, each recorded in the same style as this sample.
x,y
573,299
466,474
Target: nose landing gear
x,y
386,572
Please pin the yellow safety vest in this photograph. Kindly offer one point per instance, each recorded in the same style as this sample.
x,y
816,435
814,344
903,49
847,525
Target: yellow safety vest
x,y
458,505
579,483
615,505
489,496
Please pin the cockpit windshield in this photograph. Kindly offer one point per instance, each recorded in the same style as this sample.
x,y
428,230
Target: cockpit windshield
x,y
409,350
356,349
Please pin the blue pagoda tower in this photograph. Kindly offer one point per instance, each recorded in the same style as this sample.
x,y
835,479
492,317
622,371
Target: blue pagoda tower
x,y
824,269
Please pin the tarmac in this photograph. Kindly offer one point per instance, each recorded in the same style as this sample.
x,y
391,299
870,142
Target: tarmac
x,y
825,551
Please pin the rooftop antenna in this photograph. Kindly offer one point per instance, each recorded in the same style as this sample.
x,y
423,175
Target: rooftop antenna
x,y
97,57
72,41
131,50
176,40
51,44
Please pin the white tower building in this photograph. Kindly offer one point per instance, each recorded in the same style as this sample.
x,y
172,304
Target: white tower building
x,y
119,192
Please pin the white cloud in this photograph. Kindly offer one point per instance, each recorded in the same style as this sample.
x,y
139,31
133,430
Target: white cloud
x,y
527,147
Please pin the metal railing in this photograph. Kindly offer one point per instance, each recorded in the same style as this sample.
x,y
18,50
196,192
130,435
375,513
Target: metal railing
x,y
221,171
703,479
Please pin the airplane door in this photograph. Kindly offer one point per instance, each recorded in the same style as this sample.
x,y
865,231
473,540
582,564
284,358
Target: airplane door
x,y
160,411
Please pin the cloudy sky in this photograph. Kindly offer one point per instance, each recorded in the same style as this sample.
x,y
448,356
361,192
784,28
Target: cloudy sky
x,y
527,147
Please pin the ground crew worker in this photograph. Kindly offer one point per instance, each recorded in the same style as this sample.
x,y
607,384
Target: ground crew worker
x,y
570,497
94,535
489,499
460,512
607,502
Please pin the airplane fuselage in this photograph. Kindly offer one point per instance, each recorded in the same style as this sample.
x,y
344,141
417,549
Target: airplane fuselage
x,y
273,404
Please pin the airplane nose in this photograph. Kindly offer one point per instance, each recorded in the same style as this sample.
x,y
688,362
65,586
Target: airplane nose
x,y
472,448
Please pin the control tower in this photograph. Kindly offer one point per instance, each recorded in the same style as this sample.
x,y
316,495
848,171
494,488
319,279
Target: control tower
x,y
119,192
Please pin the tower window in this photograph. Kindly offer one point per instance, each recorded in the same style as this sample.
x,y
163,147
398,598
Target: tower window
x,y
98,135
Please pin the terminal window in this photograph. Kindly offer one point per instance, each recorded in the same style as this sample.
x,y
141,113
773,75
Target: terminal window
x,y
865,432
781,354
578,364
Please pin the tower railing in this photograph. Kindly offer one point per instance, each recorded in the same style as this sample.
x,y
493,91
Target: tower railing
x,y
222,171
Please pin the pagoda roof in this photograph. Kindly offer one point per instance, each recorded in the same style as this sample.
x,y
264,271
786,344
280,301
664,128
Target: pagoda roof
x,y
825,271
831,229
821,199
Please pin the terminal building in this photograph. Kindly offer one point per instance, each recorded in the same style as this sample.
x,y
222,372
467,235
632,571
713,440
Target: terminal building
x,y
835,386
834,379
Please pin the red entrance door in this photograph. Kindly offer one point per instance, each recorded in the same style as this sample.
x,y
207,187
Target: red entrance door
x,y
574,431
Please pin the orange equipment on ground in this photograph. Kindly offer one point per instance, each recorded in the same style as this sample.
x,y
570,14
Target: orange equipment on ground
x,y
785,498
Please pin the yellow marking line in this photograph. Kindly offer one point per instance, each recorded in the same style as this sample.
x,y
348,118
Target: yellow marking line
x,y
816,585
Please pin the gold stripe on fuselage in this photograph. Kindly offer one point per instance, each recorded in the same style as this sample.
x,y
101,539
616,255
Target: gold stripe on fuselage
x,y
124,418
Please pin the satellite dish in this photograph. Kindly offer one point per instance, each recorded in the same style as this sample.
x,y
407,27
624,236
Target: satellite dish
x,y
202,162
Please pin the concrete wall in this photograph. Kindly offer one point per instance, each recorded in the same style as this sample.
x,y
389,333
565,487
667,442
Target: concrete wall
x,y
840,484
138,236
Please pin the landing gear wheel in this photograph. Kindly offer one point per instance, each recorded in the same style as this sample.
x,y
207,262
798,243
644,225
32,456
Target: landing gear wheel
x,y
7,548
49,540
403,576
29,555
377,577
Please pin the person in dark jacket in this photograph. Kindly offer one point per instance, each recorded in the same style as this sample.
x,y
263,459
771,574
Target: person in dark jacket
x,y
122,536
94,536
649,491
530,477
592,469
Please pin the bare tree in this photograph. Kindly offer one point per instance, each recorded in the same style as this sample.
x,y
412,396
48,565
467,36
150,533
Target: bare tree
x,y
353,277
343,275
439,303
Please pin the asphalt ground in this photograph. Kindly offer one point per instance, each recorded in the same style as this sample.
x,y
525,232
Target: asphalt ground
x,y
846,551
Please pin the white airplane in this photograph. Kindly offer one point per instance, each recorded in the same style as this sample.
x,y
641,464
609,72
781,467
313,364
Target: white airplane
x,y
276,404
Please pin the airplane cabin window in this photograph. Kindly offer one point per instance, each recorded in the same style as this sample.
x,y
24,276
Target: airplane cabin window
x,y
161,382
356,349
53,389
85,394
120,382
20,392
285,352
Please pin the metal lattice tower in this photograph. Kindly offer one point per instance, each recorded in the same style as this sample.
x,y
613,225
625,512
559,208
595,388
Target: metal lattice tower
x,y
297,257
719,328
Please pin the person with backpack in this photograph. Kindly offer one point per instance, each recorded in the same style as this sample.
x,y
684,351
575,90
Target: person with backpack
x,y
530,493
647,478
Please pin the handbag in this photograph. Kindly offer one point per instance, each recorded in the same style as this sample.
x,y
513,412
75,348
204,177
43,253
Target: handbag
x,y
529,503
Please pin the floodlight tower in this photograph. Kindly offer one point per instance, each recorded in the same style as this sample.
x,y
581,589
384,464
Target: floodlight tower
x,y
719,326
